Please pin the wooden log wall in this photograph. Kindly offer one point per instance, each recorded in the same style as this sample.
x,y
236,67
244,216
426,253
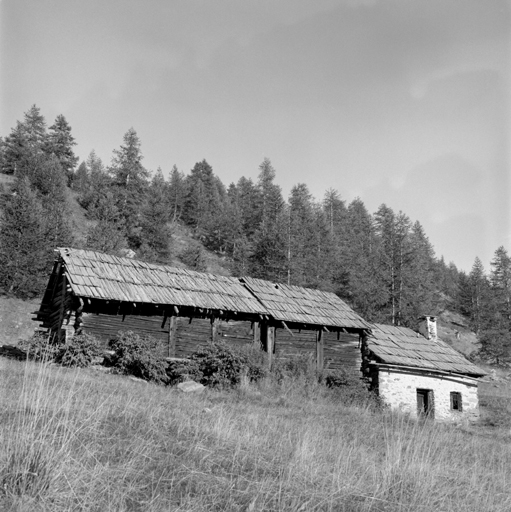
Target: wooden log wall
x,y
343,353
106,327
188,336
58,306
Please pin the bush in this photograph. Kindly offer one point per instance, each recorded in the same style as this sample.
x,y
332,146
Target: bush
x,y
349,388
222,365
135,355
39,347
80,351
179,371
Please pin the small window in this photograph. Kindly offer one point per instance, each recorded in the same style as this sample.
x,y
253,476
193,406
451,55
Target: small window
x,y
456,404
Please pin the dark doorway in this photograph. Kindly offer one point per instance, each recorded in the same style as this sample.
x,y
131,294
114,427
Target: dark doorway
x,y
425,403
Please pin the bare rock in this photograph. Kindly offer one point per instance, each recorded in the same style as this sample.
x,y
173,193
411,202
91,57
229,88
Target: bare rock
x,y
190,386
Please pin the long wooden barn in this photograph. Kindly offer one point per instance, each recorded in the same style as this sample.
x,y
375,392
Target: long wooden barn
x,y
183,309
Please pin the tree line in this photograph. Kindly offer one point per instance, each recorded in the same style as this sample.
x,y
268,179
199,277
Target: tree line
x,y
382,263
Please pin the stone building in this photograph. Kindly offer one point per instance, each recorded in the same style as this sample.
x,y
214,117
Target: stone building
x,y
419,374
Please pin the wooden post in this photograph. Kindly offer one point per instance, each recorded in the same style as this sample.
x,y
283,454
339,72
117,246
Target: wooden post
x,y
257,335
214,329
320,345
172,336
61,313
270,343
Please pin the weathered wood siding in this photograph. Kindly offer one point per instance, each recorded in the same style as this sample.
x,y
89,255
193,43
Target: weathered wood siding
x,y
189,336
105,327
343,353
57,303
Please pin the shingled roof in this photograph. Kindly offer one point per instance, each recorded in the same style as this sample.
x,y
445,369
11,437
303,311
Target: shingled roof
x,y
100,276
304,305
404,347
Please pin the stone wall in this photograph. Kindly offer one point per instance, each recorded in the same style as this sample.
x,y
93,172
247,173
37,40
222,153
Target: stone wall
x,y
398,389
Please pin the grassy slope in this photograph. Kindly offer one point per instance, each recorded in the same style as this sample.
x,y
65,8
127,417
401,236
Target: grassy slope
x,y
77,441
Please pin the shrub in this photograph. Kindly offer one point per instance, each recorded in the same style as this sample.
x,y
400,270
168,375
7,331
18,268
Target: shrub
x,y
179,371
79,351
222,365
136,355
349,388
39,347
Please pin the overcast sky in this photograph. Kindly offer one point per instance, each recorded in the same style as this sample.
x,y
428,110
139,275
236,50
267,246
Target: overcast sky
x,y
403,102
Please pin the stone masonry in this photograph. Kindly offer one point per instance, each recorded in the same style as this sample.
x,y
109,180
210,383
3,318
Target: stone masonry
x,y
399,388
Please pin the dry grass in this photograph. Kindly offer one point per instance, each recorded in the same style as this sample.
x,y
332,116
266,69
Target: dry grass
x,y
77,440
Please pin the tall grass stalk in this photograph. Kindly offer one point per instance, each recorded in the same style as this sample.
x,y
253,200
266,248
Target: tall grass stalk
x,y
111,444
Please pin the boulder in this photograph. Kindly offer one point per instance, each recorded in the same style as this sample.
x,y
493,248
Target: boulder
x,y
190,386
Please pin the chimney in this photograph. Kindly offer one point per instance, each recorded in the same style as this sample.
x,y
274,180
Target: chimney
x,y
427,327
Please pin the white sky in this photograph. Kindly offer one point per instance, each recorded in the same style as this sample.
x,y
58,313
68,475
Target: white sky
x,y
403,102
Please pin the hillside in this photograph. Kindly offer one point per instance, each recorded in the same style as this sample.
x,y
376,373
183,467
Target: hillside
x,y
15,314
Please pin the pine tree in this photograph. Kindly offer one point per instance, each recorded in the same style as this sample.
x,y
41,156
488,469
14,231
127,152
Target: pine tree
x,y
96,185
418,283
60,143
81,179
24,253
360,282
155,234
269,258
177,192
302,243
479,293
495,335
108,234
202,199
130,182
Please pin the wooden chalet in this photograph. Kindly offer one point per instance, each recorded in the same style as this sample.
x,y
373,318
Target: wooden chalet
x,y
183,309
418,373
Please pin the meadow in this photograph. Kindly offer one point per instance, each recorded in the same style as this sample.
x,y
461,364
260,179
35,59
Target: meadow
x,y
81,440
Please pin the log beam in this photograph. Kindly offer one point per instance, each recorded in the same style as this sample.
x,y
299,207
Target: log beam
x,y
320,349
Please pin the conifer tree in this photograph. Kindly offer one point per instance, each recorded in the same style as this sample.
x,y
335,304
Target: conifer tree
x,y
130,182
177,192
24,253
269,257
302,242
60,143
155,234
81,179
108,234
27,143
361,283
96,185
479,287
495,334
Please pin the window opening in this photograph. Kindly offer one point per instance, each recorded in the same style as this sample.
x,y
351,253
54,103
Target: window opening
x,y
456,403
425,403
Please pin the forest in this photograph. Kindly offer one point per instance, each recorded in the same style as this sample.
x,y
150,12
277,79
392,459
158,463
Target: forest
x,y
380,263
